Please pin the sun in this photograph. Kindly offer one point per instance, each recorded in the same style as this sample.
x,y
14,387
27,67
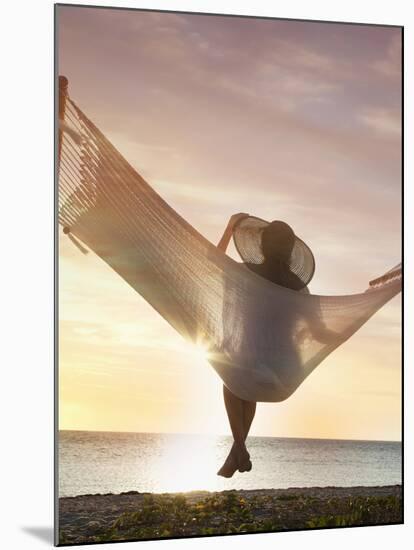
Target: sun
x,y
199,352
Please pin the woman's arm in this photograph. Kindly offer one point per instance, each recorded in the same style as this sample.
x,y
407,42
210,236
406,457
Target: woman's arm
x,y
316,329
228,232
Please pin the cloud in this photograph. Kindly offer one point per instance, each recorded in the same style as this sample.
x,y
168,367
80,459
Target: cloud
x,y
390,64
385,122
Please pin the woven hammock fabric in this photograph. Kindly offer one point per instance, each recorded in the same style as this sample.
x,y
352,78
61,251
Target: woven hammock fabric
x,y
263,339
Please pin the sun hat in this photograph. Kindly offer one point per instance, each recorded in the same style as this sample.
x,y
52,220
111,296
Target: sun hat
x,y
247,237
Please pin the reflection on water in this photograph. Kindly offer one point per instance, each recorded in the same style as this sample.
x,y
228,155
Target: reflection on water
x,y
106,462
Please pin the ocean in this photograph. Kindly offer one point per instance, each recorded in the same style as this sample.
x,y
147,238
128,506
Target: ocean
x,y
115,462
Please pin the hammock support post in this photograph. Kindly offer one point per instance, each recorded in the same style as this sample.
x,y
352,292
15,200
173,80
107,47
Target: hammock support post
x,y
63,93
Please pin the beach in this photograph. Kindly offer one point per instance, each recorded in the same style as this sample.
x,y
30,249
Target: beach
x,y
136,516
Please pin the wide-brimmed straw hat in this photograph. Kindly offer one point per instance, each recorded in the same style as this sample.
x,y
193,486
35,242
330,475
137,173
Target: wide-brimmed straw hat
x,y
247,236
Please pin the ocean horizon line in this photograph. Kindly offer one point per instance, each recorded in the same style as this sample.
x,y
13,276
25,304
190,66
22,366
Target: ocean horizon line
x,y
72,430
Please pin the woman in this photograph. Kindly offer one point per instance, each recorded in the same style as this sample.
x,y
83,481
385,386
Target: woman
x,y
277,243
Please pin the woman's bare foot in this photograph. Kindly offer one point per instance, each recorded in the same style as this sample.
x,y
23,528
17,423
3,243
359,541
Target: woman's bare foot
x,y
230,465
243,459
237,459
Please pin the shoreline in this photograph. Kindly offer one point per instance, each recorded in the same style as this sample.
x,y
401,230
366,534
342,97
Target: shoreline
x,y
132,515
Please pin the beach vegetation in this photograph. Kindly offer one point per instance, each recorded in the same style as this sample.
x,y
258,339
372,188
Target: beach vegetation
x,y
165,516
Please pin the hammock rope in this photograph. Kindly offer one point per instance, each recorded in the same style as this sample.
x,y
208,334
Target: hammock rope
x,y
263,339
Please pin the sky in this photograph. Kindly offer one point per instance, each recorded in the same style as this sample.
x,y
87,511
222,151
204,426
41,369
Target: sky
x,y
291,120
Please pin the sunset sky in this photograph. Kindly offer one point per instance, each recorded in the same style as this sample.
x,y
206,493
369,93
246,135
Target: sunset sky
x,y
285,120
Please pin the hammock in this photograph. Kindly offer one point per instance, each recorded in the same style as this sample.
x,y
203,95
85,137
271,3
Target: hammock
x,y
263,340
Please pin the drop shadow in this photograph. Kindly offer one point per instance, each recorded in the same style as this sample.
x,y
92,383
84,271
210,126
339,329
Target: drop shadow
x,y
43,533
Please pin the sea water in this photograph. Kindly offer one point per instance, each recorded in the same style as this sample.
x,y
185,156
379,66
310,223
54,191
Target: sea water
x,y
108,462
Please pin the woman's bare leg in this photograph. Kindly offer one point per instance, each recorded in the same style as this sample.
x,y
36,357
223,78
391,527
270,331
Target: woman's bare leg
x,y
231,464
235,412
249,411
241,414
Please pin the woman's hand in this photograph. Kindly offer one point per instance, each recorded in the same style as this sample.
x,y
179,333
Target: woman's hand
x,y
320,333
225,239
236,218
